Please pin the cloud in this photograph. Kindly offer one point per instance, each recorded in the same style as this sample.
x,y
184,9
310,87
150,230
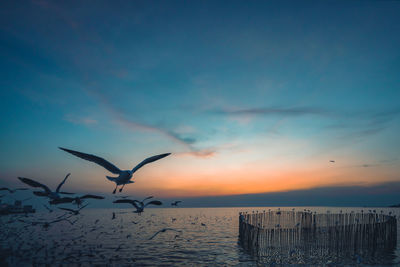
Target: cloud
x,y
80,120
268,111
121,119
204,153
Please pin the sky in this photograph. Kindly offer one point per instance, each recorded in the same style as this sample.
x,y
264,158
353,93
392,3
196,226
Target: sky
x,y
250,97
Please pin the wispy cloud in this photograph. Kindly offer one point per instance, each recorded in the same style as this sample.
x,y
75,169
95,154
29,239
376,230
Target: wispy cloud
x,y
80,120
123,120
292,111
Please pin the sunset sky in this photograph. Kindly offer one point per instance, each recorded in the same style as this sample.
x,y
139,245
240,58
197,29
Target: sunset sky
x,y
248,96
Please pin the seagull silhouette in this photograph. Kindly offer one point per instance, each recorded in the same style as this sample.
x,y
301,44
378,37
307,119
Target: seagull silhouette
x,y
163,231
76,200
139,205
175,203
72,211
124,176
47,192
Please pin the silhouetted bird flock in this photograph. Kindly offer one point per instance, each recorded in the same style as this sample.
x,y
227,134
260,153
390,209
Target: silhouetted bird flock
x,y
58,197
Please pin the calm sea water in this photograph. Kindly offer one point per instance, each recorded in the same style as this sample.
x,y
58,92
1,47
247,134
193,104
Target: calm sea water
x,y
200,236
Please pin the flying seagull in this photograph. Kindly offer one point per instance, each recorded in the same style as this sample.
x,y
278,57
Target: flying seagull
x,y
11,190
139,205
47,192
175,203
124,176
76,200
163,231
72,211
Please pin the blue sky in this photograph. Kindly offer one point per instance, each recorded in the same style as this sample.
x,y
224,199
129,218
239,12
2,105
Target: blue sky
x,y
250,97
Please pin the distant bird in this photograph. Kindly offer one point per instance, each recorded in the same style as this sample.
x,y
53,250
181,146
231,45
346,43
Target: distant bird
x,y
332,161
175,203
163,231
12,191
47,192
139,205
72,211
124,176
76,200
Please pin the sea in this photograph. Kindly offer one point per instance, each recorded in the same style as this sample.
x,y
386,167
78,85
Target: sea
x,y
156,237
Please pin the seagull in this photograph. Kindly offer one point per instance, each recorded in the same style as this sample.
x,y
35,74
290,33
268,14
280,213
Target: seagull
x,y
74,212
139,205
11,191
47,192
175,203
163,231
124,176
76,200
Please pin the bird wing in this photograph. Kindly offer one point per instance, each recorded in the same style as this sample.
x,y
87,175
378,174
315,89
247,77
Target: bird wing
x,y
91,196
155,235
83,206
149,160
71,210
100,161
61,184
62,200
33,183
154,202
40,193
66,193
132,202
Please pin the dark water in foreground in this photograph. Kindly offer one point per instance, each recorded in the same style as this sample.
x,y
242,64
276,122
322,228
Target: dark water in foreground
x,y
203,236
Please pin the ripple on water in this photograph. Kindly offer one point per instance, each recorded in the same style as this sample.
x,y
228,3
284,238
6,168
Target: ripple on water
x,y
209,237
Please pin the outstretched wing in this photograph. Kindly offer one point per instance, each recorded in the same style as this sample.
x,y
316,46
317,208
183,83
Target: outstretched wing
x,y
154,202
66,193
102,162
40,193
149,160
91,196
155,235
132,202
61,200
61,184
83,206
33,183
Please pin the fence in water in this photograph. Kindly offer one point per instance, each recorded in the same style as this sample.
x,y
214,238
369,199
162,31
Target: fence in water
x,y
306,237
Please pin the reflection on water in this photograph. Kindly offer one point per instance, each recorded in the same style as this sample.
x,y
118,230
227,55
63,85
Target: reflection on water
x,y
209,236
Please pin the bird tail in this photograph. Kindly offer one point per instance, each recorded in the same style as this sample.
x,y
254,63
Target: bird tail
x,y
112,179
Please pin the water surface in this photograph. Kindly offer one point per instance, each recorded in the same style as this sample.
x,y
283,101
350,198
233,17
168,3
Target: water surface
x,y
200,236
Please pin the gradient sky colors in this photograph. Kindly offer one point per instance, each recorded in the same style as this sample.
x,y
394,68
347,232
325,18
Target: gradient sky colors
x,y
249,96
